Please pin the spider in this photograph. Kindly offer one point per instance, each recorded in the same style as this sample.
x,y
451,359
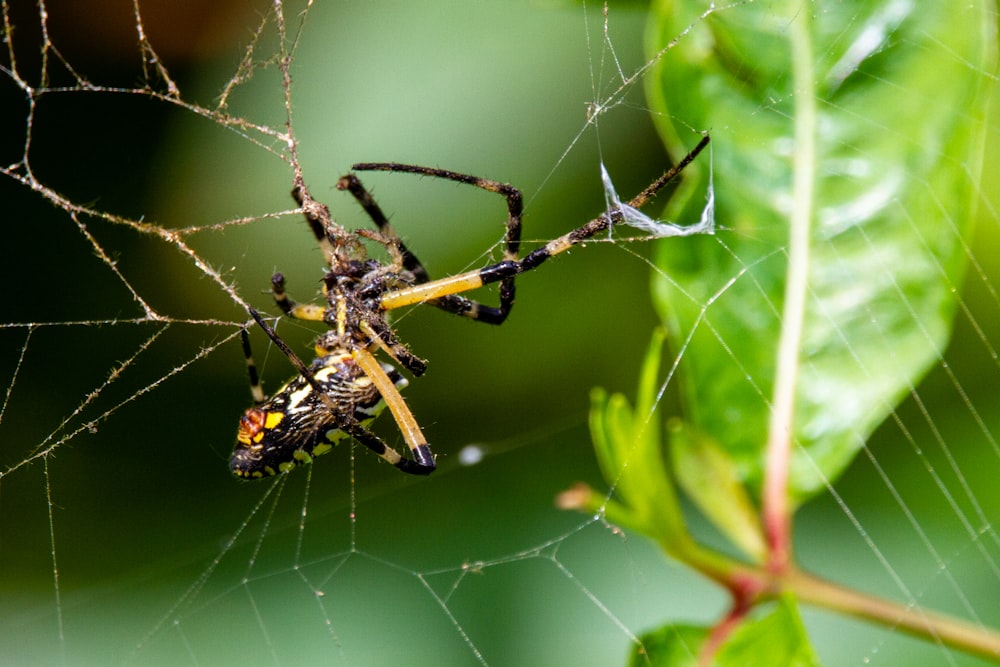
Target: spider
x,y
345,387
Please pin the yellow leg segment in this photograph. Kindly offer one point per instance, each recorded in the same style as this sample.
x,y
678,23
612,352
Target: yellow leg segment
x,y
462,282
307,311
408,426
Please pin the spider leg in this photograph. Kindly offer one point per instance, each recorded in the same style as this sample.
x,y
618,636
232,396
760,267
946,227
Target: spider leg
x,y
379,332
300,311
504,271
423,462
318,216
256,390
288,352
351,183
449,302
385,452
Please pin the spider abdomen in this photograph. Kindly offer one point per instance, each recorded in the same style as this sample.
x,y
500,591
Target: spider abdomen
x,y
297,424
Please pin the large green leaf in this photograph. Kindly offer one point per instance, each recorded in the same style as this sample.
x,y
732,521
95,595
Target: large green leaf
x,y
879,106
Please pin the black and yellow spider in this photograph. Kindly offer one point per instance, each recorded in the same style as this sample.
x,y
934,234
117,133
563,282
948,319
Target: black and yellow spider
x,y
345,387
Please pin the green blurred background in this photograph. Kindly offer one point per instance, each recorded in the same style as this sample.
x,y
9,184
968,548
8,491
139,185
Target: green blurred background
x,y
143,504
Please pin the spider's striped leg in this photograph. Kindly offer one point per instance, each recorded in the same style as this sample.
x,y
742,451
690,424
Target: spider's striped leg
x,y
318,216
387,453
380,333
423,459
300,311
351,183
448,288
256,391
451,302
283,346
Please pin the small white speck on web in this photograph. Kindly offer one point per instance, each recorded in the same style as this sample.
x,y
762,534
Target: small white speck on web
x,y
472,454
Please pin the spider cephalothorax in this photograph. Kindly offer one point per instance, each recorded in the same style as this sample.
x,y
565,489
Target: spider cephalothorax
x,y
345,387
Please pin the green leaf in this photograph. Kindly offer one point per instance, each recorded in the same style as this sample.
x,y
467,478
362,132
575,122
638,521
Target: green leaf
x,y
776,637
630,453
892,94
669,646
708,475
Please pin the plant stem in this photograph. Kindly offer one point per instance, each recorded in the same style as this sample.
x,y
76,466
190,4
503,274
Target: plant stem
x,y
945,630
751,585
775,505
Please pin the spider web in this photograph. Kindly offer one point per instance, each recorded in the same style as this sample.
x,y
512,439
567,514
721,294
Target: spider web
x,y
147,159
